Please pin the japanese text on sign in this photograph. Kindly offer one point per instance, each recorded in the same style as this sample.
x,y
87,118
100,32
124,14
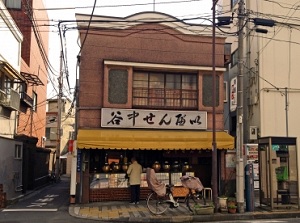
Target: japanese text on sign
x,y
138,118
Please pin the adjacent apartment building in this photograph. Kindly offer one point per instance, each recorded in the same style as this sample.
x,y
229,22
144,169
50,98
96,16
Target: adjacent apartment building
x,y
24,71
271,83
67,129
10,148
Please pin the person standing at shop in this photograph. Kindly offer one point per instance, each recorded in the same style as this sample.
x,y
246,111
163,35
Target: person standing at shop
x,y
134,173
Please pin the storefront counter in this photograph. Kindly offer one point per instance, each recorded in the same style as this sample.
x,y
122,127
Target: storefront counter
x,y
114,186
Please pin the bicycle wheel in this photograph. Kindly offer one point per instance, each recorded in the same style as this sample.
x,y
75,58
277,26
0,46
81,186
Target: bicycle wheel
x,y
157,205
194,199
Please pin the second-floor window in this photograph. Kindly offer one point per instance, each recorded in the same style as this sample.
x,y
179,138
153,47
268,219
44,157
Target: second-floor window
x,y
51,133
5,84
165,90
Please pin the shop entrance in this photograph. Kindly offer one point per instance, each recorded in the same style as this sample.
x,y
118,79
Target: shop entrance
x,y
106,182
278,168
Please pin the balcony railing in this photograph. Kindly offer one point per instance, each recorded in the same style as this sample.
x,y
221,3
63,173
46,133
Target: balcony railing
x,y
26,99
10,101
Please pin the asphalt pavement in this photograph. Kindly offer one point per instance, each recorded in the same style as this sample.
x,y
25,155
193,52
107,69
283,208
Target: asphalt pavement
x,y
122,211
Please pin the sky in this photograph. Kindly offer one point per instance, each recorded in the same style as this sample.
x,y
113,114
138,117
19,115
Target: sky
x,y
63,10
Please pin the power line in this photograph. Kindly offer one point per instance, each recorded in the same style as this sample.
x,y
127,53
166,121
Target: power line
x,y
121,5
87,30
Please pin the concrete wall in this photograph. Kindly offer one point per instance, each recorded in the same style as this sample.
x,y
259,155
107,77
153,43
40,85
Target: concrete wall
x,y
10,168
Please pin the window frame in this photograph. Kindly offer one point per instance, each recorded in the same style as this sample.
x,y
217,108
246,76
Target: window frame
x,y
207,88
225,85
161,97
6,83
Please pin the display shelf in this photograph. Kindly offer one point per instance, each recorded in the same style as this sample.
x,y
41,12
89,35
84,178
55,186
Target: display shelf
x,y
113,180
117,180
163,177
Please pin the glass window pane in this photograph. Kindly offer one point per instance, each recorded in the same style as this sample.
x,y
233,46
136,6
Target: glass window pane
x,y
156,102
173,81
156,80
140,76
189,103
165,90
173,102
207,89
118,86
156,93
140,79
189,82
140,101
173,93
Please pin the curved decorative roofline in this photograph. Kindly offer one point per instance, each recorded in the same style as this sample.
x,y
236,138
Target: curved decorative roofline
x,y
142,18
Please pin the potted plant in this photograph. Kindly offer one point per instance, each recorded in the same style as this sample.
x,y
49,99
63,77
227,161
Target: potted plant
x,y
222,203
204,209
231,201
232,208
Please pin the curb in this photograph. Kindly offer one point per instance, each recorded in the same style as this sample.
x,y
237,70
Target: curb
x,y
218,217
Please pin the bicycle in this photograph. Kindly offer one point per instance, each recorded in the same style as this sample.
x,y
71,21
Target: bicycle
x,y
53,178
158,201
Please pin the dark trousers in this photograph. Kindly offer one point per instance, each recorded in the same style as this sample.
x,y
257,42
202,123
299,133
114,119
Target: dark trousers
x,y
135,193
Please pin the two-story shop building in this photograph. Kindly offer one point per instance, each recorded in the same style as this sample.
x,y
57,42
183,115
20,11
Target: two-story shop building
x,y
145,90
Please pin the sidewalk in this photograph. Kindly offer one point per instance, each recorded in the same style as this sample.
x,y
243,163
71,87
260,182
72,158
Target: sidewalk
x,y
116,211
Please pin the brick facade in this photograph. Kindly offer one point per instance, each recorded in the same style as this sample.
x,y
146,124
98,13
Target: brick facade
x,y
154,44
32,123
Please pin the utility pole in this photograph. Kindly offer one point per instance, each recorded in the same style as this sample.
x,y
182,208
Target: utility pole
x,y
214,178
59,109
240,185
286,111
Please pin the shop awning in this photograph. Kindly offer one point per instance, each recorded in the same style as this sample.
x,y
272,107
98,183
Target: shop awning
x,y
151,139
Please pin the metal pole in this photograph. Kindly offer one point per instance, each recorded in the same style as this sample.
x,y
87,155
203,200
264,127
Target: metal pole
x,y
214,178
286,113
59,102
240,119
